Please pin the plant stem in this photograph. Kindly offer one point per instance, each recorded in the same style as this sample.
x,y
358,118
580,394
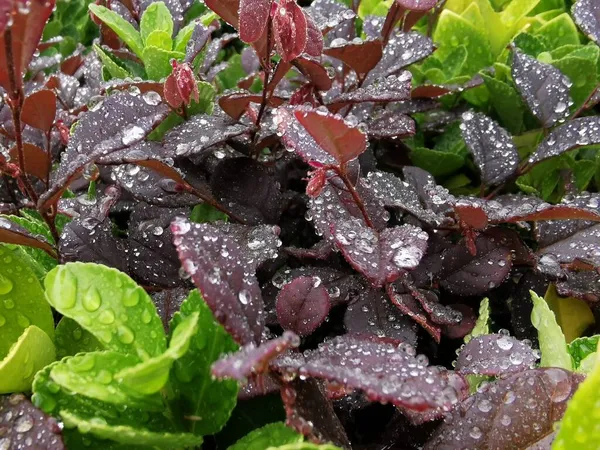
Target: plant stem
x,y
341,171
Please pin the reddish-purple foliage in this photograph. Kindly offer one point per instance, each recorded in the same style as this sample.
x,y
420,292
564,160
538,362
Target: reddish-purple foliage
x,y
302,305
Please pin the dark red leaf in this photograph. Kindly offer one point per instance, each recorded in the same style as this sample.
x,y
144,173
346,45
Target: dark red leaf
x,y
214,262
391,125
417,5
380,257
409,305
543,87
576,133
583,244
226,9
360,56
251,360
310,412
314,72
314,38
466,274
584,285
586,14
236,104
12,233
514,412
492,148
26,24
495,355
290,29
373,313
37,161
470,215
253,17
39,109
25,427
383,371
342,141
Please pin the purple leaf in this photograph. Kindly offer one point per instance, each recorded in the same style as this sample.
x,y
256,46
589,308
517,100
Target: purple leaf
x,y
373,25
254,15
514,412
384,371
586,14
200,133
583,244
386,90
197,42
303,305
391,125
120,121
25,427
13,233
214,262
402,50
329,14
373,313
410,306
251,360
466,274
492,147
311,413
495,355
543,87
574,134
380,257
417,5
213,49
584,285
168,302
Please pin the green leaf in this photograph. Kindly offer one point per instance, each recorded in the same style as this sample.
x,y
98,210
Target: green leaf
x,y
156,17
435,162
582,73
552,341
581,348
573,315
453,31
455,61
36,227
200,395
482,324
274,434
305,446
530,44
159,39
94,375
120,26
151,375
580,428
507,103
183,37
130,435
33,351
206,213
108,304
157,61
71,338
22,300
109,63
559,31
373,8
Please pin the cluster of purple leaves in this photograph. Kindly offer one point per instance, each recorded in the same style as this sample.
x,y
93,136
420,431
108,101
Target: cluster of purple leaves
x,y
335,263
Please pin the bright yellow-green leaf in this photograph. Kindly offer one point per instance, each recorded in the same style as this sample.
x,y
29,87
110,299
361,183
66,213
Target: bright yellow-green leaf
x,y
572,315
156,17
482,325
115,70
159,39
33,351
272,435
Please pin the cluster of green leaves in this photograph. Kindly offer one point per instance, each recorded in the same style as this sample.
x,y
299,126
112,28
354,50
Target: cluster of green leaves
x,y
122,379
154,43
71,22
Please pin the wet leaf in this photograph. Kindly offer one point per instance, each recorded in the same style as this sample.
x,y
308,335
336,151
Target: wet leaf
x,y
253,19
39,109
586,14
302,305
360,56
290,29
13,233
492,147
272,434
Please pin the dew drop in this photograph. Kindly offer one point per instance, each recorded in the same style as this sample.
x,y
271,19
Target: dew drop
x,y
92,300
6,285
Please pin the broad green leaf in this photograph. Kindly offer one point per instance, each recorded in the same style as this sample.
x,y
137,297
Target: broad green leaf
x,y
156,17
74,440
515,11
159,39
228,78
206,94
582,348
582,73
530,44
473,14
108,304
36,227
202,396
559,31
580,427
22,300
482,325
452,31
305,446
93,375
206,213
157,61
552,341
507,103
33,351
455,61
114,69
183,37
435,162
71,338
583,172
373,8
587,364
272,435
452,141
130,435
573,316
151,375
120,26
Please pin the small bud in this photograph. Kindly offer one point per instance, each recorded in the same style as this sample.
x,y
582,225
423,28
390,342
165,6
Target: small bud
x,y
181,87
63,131
316,183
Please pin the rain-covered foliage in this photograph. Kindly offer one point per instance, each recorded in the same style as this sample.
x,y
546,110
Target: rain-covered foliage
x,y
299,224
